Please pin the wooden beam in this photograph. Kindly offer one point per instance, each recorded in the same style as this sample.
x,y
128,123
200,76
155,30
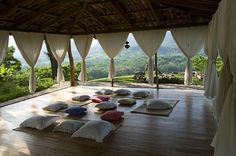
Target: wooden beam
x,y
192,4
153,12
120,12
72,67
14,4
96,20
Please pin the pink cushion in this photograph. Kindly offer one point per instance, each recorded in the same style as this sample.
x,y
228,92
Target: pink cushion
x,y
112,115
103,98
96,100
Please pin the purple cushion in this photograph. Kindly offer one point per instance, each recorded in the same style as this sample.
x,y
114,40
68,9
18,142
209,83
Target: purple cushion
x,y
96,100
103,98
77,110
112,115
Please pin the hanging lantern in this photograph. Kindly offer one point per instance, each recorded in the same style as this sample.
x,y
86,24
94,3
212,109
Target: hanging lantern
x,y
127,45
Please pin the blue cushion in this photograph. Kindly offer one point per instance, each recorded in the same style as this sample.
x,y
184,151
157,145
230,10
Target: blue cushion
x,y
77,110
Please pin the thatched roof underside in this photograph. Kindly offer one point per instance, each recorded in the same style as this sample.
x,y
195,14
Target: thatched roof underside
x,y
102,16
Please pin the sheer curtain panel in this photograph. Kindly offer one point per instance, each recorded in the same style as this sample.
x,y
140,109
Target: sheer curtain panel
x,y
4,37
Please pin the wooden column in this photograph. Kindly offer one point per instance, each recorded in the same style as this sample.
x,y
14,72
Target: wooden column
x,y
156,71
112,82
72,67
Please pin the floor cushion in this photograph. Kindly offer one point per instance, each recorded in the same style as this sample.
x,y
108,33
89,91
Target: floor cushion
x,y
56,106
81,98
122,92
157,104
141,94
96,100
112,115
127,101
69,126
96,129
103,98
106,105
76,110
39,121
104,92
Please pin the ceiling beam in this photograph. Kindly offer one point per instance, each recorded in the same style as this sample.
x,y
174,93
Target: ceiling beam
x,y
192,4
14,4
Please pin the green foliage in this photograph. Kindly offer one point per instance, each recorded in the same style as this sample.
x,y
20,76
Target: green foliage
x,y
199,63
219,64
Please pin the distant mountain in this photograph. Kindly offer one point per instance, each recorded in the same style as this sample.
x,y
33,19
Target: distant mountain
x,y
168,47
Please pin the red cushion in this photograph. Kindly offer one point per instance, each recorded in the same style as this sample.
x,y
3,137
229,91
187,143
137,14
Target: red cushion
x,y
96,100
112,115
103,98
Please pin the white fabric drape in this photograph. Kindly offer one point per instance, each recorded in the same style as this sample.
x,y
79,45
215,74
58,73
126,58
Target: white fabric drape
x,y
149,42
190,40
211,77
83,44
225,138
3,44
59,45
29,45
112,43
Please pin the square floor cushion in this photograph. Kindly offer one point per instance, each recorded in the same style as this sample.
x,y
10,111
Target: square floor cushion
x,y
56,106
106,106
96,100
122,92
157,104
112,115
39,121
103,98
104,92
126,101
141,94
76,110
69,126
96,129
81,98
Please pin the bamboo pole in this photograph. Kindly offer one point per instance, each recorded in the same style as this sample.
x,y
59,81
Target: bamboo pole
x,y
157,83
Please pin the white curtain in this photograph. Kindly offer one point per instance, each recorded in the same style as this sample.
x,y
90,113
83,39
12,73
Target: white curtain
x,y
112,44
29,45
149,42
211,77
225,138
83,44
3,44
59,45
190,40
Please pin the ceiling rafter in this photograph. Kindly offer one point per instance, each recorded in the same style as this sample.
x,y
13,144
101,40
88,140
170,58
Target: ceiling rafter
x,y
153,12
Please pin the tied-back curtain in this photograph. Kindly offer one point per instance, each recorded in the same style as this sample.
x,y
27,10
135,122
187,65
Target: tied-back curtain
x,y
29,45
211,77
59,45
225,138
190,40
225,77
112,44
83,44
4,37
149,42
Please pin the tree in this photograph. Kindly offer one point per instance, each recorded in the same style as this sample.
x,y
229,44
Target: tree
x,y
10,65
52,59
199,63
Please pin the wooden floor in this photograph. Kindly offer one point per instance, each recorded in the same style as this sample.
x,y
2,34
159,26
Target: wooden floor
x,y
188,130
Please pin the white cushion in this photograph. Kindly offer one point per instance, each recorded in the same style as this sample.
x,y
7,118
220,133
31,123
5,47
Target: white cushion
x,y
122,92
96,129
106,105
158,104
81,98
56,106
104,92
141,94
39,122
69,126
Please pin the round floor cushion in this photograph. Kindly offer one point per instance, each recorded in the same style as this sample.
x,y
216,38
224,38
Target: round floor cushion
x,y
122,92
126,101
81,98
106,106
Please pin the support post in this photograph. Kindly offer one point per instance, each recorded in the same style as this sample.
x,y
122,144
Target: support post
x,y
156,72
72,67
112,82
